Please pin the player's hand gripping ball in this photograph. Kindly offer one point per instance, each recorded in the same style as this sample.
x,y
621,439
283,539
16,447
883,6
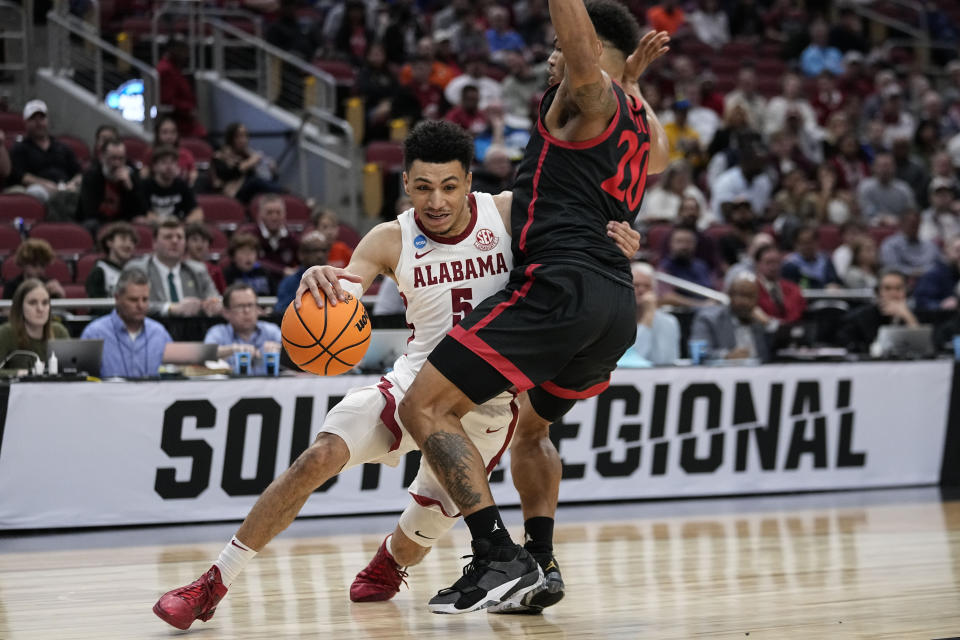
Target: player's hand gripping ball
x,y
326,340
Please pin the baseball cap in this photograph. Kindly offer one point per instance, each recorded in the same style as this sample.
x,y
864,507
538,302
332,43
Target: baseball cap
x,y
34,107
940,182
853,56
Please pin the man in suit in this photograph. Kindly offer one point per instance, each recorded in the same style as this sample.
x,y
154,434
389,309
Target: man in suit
x,y
734,331
177,286
779,298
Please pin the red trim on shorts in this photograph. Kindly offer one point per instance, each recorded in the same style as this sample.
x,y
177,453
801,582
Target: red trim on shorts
x,y
389,414
571,394
424,501
533,199
472,202
506,443
469,338
581,144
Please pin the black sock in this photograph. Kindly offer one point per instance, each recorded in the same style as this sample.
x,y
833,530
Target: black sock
x,y
539,536
486,523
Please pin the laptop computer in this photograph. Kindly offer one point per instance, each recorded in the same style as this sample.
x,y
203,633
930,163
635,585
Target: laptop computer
x,y
386,345
77,356
188,352
906,342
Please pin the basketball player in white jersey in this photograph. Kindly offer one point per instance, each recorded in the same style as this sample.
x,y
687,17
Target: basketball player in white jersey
x,y
450,250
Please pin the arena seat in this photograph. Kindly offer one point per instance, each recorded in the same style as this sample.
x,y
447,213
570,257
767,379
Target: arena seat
x,y
12,124
342,72
138,151
829,237
9,240
348,235
79,148
202,152
74,290
219,243
387,154
84,266
58,270
66,238
222,211
19,205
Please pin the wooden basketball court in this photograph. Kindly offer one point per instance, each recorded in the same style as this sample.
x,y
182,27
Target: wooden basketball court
x,y
869,565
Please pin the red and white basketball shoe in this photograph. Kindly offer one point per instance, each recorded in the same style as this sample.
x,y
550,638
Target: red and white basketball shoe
x,y
380,580
196,601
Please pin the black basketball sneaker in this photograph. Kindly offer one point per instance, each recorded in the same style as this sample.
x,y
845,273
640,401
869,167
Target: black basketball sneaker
x,y
493,575
535,601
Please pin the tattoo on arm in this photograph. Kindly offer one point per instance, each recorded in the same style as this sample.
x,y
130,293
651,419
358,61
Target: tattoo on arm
x,y
450,454
596,97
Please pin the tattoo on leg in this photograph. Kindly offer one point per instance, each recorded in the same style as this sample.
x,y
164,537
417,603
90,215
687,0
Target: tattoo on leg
x,y
449,454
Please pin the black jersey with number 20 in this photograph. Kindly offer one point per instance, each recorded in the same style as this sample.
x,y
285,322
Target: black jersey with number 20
x,y
566,192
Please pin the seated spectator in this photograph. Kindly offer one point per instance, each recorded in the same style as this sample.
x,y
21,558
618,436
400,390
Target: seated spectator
x,y
46,168
710,25
662,202
904,251
103,134
795,205
176,90
937,288
244,331
199,239
440,72
132,343
165,133
278,245
808,266
178,287
165,193
500,37
658,332
883,197
733,331
354,36
29,328
864,269
428,96
910,170
519,88
859,327
666,16
239,171
117,241
325,221
849,162
683,138
33,256
314,249
851,233
748,178
467,114
778,298
385,98
111,189
942,218
819,56
746,94
791,102
681,262
244,249
747,264
743,222
475,73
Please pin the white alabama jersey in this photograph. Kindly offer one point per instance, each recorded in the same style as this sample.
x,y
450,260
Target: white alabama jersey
x,y
441,279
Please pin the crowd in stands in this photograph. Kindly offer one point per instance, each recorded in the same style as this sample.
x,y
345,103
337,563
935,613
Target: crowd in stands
x,y
805,156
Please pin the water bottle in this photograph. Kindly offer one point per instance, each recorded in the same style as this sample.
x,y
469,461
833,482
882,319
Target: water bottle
x,y
271,361
242,363
52,364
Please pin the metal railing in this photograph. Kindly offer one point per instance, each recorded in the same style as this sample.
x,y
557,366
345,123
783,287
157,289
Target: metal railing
x,y
17,25
859,295
274,71
197,15
307,144
90,65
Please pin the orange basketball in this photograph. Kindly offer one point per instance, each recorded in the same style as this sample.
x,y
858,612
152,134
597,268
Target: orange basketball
x,y
326,340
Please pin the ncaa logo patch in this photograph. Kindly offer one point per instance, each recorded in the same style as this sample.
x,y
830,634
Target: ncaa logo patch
x,y
486,240
420,241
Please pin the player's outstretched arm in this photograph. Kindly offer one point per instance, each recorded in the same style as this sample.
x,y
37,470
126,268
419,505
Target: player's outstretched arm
x,y
652,45
586,83
378,252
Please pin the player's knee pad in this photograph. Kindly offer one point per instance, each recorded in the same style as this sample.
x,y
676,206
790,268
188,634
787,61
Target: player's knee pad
x,y
424,525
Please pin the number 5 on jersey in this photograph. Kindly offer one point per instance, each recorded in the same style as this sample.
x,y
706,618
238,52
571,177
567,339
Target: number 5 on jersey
x,y
460,301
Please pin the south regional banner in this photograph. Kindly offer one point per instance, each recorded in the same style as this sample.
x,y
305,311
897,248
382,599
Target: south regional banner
x,y
83,454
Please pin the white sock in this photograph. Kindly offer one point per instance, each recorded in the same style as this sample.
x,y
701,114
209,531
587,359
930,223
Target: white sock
x,y
233,559
390,547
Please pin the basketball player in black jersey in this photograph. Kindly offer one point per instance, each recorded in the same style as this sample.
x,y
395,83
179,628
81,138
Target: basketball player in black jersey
x,y
567,314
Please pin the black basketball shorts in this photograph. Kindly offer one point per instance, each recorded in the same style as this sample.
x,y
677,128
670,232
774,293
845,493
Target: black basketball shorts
x,y
556,331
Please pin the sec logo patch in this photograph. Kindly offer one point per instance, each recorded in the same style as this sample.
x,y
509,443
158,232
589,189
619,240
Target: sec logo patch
x,y
486,240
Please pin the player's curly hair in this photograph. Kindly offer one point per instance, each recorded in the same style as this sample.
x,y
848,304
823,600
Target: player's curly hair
x,y
437,142
614,23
